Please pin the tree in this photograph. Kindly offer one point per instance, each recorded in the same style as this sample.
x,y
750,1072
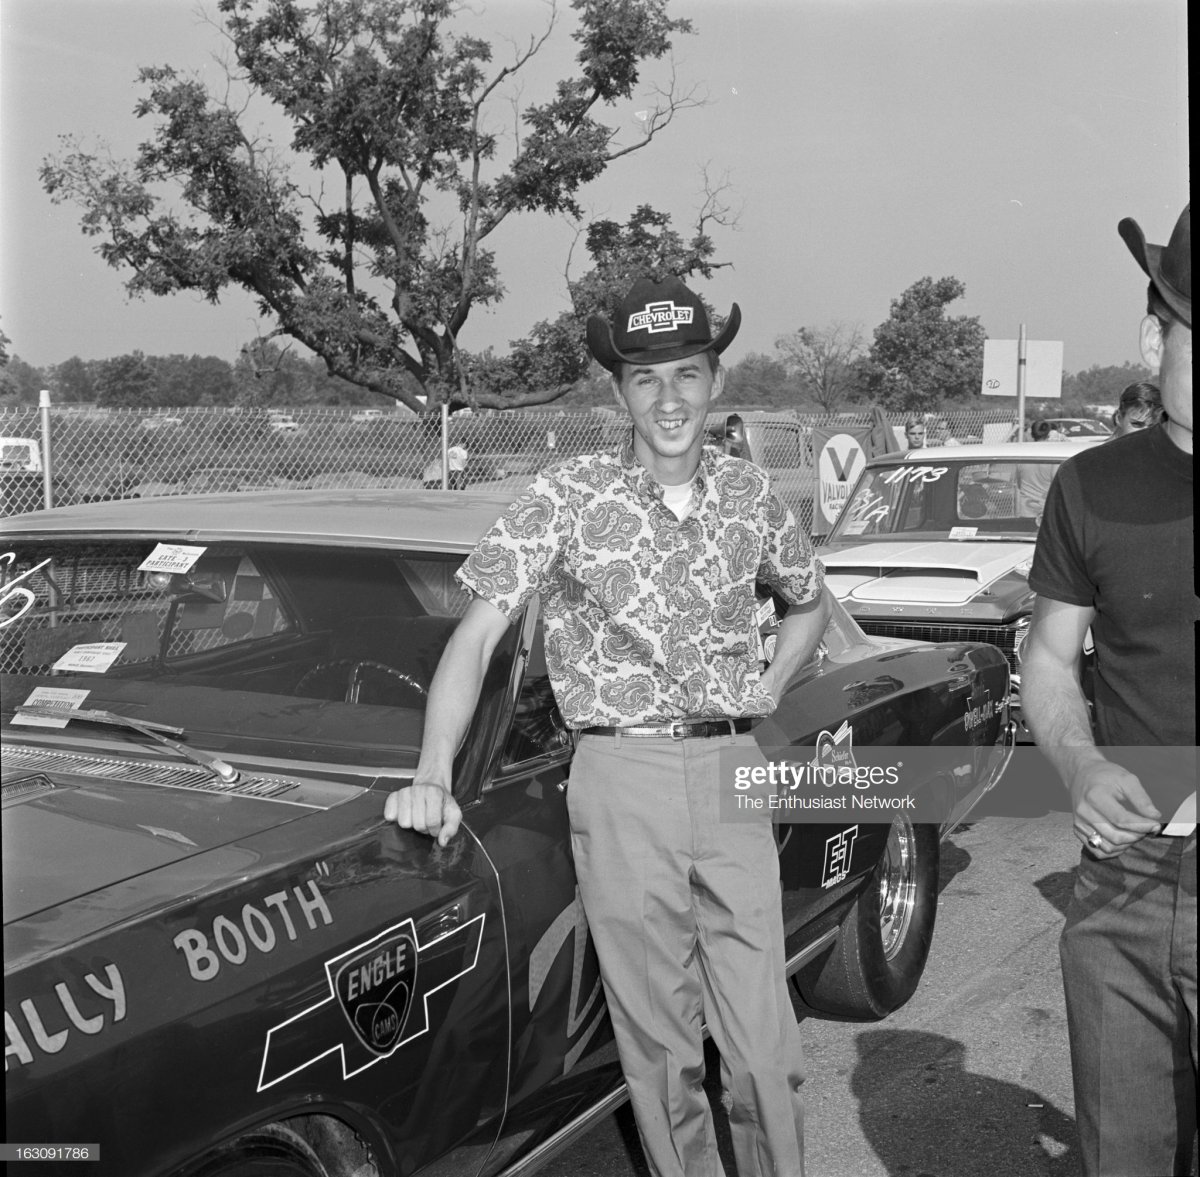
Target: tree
x,y
73,381
920,357
127,381
20,382
192,380
822,362
759,381
398,104
1100,385
555,355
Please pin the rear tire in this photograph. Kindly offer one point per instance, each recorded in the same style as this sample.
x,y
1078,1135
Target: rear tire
x,y
883,942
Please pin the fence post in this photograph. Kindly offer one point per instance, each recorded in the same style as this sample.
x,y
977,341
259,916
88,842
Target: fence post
x,y
445,445
47,457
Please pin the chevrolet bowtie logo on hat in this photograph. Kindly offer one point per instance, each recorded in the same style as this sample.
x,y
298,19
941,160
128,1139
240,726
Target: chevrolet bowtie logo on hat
x,y
657,323
659,316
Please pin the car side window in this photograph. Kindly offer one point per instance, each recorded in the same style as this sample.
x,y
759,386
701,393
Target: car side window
x,y
538,730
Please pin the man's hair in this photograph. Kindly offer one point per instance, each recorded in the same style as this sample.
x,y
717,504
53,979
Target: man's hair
x,y
1039,430
913,425
1157,306
1140,401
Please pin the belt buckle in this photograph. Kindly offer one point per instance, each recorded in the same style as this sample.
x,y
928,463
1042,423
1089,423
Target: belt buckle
x,y
678,729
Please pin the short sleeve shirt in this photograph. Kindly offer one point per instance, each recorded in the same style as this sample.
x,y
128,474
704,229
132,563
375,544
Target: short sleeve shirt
x,y
647,617
1117,537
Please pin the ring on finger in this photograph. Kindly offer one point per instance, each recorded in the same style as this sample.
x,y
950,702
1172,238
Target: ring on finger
x,y
1095,841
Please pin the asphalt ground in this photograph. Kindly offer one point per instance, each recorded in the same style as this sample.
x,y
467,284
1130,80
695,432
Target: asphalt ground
x,y
972,1077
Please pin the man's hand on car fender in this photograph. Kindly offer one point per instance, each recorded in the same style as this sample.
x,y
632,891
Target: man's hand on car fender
x,y
428,809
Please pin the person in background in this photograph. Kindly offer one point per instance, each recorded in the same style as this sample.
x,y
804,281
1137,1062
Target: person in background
x,y
1140,406
646,561
1115,554
939,433
914,434
1044,431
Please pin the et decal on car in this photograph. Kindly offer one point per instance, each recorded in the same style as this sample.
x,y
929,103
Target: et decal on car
x,y
50,1027
378,1001
838,852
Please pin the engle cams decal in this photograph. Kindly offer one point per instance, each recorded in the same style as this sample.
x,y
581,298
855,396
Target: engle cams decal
x,y
378,1001
375,988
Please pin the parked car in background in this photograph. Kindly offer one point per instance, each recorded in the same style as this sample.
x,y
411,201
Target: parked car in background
x,y
20,454
218,955
366,416
1081,429
936,544
161,421
282,422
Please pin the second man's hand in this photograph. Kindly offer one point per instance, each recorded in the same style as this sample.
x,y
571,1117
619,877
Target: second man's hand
x,y
426,808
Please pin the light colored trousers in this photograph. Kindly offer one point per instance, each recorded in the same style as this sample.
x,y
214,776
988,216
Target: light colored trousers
x,y
685,912
1129,972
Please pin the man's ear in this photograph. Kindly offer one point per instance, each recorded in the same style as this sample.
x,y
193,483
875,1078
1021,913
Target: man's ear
x,y
1151,340
718,385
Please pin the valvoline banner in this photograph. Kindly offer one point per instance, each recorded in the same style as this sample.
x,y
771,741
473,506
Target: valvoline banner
x,y
840,454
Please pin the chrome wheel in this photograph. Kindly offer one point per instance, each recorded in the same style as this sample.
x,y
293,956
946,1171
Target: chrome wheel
x,y
897,886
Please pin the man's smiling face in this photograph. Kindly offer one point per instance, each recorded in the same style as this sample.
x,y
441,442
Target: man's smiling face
x,y
668,404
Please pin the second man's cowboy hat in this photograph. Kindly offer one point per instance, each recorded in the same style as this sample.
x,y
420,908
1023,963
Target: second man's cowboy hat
x,y
1169,267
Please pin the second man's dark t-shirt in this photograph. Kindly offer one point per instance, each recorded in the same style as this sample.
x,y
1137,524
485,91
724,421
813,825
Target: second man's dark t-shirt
x,y
1117,536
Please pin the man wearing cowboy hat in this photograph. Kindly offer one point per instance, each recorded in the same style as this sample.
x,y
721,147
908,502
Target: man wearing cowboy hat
x,y
1115,553
646,561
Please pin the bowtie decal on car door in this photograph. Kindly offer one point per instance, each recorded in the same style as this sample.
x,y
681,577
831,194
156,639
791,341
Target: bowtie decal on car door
x,y
378,1001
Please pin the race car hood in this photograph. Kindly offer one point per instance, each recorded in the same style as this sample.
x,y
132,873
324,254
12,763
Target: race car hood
x,y
68,835
938,572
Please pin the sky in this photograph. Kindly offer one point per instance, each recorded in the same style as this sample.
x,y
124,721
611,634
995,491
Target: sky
x,y
865,144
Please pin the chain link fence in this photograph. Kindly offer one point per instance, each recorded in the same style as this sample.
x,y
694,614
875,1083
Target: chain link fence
x,y
97,454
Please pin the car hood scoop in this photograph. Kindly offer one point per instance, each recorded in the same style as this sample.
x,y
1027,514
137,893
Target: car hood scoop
x,y
936,573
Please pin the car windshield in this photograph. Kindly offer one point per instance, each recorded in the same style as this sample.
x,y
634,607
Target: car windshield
x,y
1082,428
305,653
967,500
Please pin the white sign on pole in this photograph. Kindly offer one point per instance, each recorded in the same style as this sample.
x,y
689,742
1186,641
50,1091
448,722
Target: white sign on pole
x,y
1043,368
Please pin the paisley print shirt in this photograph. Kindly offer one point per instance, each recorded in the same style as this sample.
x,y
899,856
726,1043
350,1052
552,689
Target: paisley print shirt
x,y
647,617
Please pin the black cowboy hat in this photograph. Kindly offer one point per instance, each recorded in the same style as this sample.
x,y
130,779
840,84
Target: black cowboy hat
x,y
1169,268
657,322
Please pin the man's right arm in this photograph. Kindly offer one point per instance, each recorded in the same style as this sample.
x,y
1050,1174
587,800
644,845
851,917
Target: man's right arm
x,y
1106,798
428,805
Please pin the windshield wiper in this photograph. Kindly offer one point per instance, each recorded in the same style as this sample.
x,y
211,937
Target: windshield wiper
x,y
224,772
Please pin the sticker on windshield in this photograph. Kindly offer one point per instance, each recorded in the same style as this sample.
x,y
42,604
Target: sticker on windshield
x,y
62,697
92,657
171,558
964,532
855,528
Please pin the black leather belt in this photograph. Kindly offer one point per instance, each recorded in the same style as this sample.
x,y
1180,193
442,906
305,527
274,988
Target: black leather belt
x,y
678,729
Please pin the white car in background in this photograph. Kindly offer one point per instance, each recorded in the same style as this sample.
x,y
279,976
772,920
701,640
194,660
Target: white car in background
x,y
1081,429
282,422
936,544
